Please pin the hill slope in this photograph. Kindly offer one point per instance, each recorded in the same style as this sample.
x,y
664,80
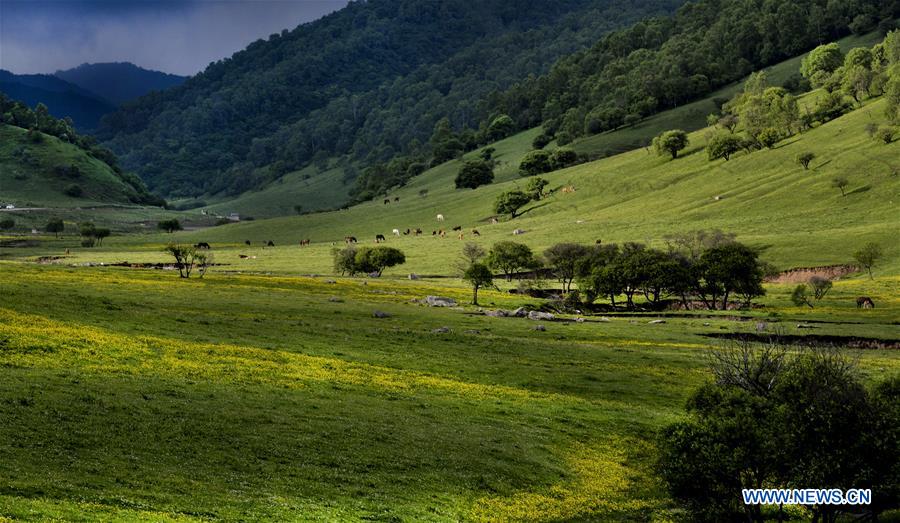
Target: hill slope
x,y
365,80
119,82
38,174
62,98
764,197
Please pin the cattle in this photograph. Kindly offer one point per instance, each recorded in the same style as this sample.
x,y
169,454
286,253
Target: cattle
x,y
418,231
434,233
406,233
462,236
379,238
243,256
304,242
864,302
568,189
396,198
350,239
396,232
247,243
440,217
598,242
270,243
518,232
387,201
475,232
494,221
201,245
441,233
458,228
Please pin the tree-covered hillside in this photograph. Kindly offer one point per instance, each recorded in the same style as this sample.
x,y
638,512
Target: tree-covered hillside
x,y
370,80
64,99
119,82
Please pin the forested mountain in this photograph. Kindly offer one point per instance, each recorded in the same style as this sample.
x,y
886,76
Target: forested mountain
x,y
661,63
368,81
119,82
63,99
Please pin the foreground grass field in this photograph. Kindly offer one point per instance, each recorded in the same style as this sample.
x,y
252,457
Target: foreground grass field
x,y
131,394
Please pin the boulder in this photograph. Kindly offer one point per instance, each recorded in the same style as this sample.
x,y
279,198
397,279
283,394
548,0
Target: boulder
x,y
538,315
519,313
330,281
539,328
439,301
656,322
380,314
440,330
496,314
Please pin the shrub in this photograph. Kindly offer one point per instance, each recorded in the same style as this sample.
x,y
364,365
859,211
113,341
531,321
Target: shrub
x,y
535,187
474,173
536,162
723,145
7,224
671,142
805,159
542,140
73,190
885,134
169,226
768,137
563,157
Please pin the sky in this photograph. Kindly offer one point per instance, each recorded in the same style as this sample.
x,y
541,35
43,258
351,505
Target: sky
x,y
173,36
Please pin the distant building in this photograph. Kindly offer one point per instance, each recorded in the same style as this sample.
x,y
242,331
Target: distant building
x,y
235,217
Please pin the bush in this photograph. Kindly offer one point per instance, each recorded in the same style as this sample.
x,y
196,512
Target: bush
x,y
768,137
73,190
542,140
7,224
723,145
169,226
805,159
563,157
671,142
510,202
536,162
885,134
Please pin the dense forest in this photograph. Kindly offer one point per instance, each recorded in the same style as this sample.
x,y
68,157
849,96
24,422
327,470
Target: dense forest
x,y
662,63
369,82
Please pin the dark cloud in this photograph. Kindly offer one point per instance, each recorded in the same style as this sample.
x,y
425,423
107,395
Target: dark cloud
x,y
175,36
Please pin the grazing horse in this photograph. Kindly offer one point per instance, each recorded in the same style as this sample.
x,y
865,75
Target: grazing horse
x,y
270,243
475,232
865,302
396,232
247,242
440,217
568,189
304,242
379,238
396,198
387,201
350,239
202,245
458,228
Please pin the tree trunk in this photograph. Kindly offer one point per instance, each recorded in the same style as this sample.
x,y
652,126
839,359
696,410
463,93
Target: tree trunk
x,y
475,295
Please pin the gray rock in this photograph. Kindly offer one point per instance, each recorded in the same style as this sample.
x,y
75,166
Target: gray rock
x,y
761,326
539,328
413,276
335,300
330,281
440,330
538,315
656,322
472,331
519,313
439,301
496,314
380,314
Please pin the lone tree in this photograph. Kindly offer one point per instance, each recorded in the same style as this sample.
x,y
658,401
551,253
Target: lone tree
x,y
868,256
478,275
723,145
805,159
510,202
374,260
169,226
474,173
535,188
55,226
100,233
841,183
510,257
8,223
819,287
185,258
671,142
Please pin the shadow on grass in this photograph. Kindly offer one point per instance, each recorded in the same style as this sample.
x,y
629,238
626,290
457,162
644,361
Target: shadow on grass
x,y
823,164
864,188
538,206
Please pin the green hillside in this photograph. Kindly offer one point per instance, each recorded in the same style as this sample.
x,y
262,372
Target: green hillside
x,y
38,174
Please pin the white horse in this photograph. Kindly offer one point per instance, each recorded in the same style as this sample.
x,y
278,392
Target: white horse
x,y
396,232
440,217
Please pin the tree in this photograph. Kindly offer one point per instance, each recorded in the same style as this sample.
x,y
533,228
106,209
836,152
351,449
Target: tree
x,y
55,226
377,259
868,256
727,270
805,159
857,81
478,275
510,202
671,142
100,234
840,182
509,257
819,287
474,173
536,162
169,226
500,127
563,157
472,253
564,258
768,137
185,258
535,188
345,261
821,62
542,140
8,223
723,145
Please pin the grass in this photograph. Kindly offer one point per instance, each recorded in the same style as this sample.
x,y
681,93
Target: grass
x,y
134,395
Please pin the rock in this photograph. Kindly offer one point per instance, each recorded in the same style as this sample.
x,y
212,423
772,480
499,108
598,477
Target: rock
x,y
439,301
519,313
440,330
335,300
374,275
539,328
655,322
380,314
496,314
519,231
472,331
330,281
707,324
413,276
538,315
